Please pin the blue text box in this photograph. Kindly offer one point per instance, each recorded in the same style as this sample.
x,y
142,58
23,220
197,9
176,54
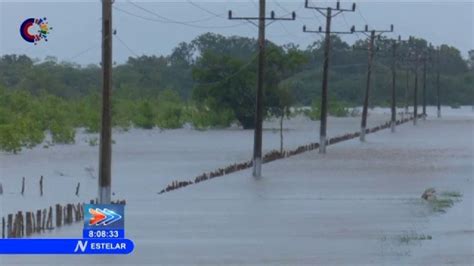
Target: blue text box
x,y
66,246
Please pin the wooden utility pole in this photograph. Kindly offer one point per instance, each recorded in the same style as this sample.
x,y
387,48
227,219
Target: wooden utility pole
x,y
393,122
407,88
438,96
324,92
414,56
371,49
327,49
257,144
105,160
363,124
257,141
424,86
415,93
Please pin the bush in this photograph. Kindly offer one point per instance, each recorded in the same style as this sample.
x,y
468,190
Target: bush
x,y
169,115
64,134
338,109
202,117
23,133
144,116
170,110
10,140
335,108
315,112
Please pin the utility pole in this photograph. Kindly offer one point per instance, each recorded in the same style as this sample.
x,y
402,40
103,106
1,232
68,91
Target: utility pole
x,y
105,160
438,96
415,97
373,34
418,55
257,144
394,75
407,88
327,48
424,86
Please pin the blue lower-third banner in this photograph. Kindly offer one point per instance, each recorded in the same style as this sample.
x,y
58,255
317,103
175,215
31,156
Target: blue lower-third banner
x,y
66,246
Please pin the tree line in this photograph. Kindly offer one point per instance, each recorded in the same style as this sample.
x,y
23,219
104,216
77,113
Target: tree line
x,y
208,82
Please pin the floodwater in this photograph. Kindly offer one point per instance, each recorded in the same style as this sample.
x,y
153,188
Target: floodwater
x,y
145,161
354,205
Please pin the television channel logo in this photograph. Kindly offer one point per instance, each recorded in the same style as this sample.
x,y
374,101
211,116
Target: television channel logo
x,y
104,216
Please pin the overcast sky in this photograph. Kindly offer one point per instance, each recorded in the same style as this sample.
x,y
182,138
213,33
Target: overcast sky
x,y
155,27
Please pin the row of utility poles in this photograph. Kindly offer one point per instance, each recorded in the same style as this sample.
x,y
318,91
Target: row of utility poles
x,y
105,157
329,13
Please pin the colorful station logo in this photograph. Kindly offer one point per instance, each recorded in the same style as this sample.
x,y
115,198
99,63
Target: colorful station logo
x,y
33,30
103,216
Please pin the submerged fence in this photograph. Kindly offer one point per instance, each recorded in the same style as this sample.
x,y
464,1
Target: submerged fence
x,y
27,223
274,155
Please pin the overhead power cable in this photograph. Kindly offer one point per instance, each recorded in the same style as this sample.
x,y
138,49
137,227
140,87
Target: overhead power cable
x,y
161,19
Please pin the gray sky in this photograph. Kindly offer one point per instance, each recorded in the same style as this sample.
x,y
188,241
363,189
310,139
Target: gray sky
x,y
76,24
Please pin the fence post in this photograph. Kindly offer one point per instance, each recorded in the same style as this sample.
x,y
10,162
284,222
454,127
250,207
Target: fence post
x,y
23,186
41,186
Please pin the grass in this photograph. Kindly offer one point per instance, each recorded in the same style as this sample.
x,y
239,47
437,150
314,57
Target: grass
x,y
451,194
414,237
441,204
444,201
93,141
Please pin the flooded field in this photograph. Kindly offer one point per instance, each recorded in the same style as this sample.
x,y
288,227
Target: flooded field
x,y
145,161
359,204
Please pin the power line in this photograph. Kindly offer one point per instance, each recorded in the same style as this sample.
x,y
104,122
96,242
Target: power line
x,y
92,47
362,15
205,10
126,46
166,19
162,19
347,24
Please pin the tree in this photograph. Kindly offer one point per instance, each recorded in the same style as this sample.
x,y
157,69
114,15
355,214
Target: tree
x,y
230,82
470,60
282,107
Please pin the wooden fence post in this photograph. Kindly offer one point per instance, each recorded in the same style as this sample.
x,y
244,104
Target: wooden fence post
x,y
23,186
49,223
28,223
38,221
59,211
41,186
43,222
9,225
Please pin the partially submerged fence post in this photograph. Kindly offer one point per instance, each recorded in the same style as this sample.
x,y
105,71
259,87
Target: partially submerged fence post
x,y
69,213
23,186
49,223
38,221
9,225
43,222
59,215
77,188
28,224
41,186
